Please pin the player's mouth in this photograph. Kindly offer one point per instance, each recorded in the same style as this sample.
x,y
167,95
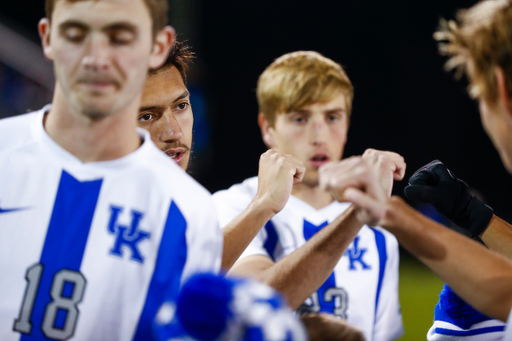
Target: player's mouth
x,y
177,154
98,83
318,160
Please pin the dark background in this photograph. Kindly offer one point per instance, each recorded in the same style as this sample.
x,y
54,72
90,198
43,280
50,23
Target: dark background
x,y
404,100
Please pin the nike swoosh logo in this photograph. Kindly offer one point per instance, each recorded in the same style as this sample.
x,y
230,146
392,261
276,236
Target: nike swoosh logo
x,y
12,210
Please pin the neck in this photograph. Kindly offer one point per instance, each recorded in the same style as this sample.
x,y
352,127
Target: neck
x,y
92,139
312,195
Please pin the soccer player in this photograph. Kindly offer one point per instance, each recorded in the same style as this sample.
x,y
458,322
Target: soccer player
x,y
97,226
480,44
434,183
167,114
316,246
165,106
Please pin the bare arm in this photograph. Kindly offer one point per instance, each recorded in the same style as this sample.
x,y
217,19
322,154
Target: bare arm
x,y
301,273
242,230
478,275
276,175
498,236
481,277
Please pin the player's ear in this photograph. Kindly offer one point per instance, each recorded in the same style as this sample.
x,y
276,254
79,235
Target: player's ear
x,y
267,132
503,95
44,29
161,47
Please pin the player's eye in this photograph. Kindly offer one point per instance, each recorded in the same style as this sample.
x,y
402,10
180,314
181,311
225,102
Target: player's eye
x,y
74,34
121,37
182,106
299,120
145,117
333,118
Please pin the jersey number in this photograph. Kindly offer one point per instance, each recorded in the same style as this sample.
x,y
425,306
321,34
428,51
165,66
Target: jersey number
x,y
337,295
59,302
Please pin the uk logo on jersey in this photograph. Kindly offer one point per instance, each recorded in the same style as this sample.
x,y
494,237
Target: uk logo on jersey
x,y
355,255
127,236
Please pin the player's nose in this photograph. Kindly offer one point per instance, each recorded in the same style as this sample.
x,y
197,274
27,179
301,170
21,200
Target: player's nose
x,y
169,128
97,53
318,130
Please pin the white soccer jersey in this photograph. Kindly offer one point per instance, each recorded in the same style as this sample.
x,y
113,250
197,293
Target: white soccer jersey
x,y
363,287
89,251
508,329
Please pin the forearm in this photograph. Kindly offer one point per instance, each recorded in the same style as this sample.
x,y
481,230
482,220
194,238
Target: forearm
x,y
498,237
479,276
301,273
242,230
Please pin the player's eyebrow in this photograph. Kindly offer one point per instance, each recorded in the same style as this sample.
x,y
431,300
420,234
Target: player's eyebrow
x,y
335,111
71,23
122,26
185,94
118,26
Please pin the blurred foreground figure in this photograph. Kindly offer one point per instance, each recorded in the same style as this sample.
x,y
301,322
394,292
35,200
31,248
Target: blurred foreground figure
x,y
479,44
435,184
97,227
212,307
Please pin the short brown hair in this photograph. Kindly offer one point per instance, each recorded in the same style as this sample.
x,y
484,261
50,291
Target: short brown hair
x,y
325,327
158,9
298,79
179,57
477,42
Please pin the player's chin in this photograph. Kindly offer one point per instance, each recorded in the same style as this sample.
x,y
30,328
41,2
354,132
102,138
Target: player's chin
x,y
95,107
184,164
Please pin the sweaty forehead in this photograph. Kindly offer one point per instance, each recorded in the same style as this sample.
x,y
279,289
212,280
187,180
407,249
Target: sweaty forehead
x,y
163,88
102,11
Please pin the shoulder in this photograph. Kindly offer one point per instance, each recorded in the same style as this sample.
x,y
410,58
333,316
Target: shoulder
x,y
241,193
17,131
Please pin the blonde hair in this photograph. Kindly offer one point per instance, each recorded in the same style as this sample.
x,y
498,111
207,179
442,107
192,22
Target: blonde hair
x,y
477,42
299,79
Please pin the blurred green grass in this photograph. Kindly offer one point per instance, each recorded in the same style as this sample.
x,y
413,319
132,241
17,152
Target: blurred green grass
x,y
419,290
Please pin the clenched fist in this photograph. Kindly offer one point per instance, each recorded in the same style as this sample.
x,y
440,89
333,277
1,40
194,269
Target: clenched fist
x,y
276,176
388,166
366,181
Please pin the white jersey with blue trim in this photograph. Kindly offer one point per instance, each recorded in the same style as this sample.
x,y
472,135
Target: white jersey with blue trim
x,y
363,287
508,328
90,251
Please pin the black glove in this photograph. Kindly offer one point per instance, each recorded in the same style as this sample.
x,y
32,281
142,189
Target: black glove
x,y
437,185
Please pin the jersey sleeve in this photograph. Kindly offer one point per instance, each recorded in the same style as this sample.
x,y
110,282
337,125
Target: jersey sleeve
x,y
388,319
508,328
205,240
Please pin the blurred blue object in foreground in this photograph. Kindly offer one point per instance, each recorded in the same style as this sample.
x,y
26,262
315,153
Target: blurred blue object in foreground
x,y
211,307
454,319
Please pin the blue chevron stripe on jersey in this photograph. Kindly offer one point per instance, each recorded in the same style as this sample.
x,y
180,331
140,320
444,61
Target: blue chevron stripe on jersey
x,y
380,241
326,305
166,280
64,246
272,238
